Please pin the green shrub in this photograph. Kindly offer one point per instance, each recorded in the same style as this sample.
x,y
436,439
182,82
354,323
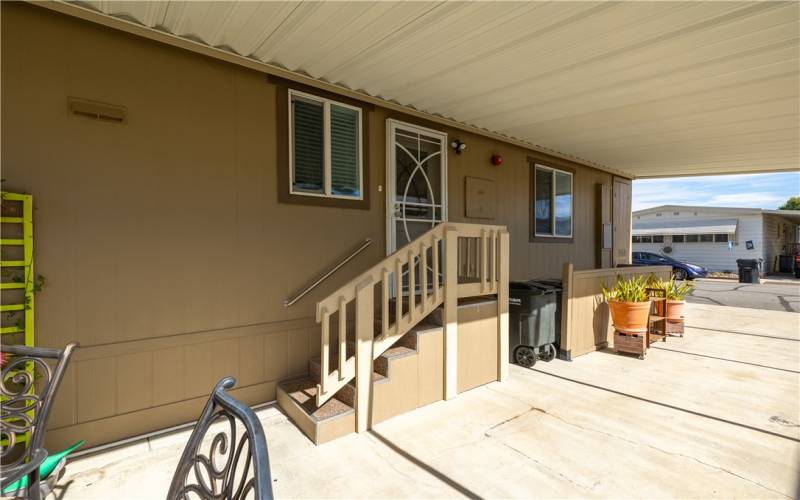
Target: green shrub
x,y
633,289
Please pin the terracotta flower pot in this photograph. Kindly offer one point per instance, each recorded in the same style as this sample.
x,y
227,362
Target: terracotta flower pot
x,y
629,317
675,309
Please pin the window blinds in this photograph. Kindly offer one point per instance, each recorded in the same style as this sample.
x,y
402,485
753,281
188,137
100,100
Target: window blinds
x,y
309,146
344,151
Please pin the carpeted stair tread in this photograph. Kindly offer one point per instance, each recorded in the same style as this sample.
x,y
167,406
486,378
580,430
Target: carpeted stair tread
x,y
397,351
304,392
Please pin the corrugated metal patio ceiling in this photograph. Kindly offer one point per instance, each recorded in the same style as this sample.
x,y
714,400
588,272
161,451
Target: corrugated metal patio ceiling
x,y
649,89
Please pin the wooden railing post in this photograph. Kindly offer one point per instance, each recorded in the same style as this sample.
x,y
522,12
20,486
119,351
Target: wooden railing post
x,y
398,295
412,285
423,274
384,303
342,336
450,304
324,318
365,324
435,276
484,261
502,308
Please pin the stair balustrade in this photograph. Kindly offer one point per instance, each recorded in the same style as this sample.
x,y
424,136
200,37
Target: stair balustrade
x,y
448,262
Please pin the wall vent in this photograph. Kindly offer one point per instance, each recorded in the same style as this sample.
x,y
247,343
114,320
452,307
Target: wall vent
x,y
97,110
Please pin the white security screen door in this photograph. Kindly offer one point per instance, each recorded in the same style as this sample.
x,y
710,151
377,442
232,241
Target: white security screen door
x,y
416,177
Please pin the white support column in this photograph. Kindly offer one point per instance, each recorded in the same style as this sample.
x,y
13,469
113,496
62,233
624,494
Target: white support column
x,y
450,313
365,321
502,308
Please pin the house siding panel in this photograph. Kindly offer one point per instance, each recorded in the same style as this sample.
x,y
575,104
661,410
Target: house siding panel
x,y
778,231
166,250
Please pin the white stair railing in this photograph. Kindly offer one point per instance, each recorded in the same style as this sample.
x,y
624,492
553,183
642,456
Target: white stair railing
x,y
481,252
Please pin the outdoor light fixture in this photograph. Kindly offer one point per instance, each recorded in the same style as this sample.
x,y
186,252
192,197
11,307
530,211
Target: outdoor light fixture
x,y
497,160
458,146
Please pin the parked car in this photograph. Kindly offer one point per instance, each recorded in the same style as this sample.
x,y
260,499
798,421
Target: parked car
x,y
681,270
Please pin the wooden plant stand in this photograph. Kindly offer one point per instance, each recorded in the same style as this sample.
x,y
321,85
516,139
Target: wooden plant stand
x,y
631,343
660,327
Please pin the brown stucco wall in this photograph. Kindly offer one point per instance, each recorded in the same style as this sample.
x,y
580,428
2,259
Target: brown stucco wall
x,y
166,251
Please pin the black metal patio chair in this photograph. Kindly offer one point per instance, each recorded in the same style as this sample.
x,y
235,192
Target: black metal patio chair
x,y
230,467
30,380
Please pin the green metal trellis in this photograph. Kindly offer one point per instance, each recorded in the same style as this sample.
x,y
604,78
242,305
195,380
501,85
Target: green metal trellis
x,y
11,204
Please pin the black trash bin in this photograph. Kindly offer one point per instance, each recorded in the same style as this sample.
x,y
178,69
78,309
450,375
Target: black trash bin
x,y
748,270
785,263
534,320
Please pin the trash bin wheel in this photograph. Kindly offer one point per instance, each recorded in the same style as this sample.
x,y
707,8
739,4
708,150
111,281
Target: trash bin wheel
x,y
547,352
525,356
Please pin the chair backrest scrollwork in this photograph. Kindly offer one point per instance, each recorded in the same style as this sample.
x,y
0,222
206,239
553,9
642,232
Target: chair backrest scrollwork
x,y
231,465
29,385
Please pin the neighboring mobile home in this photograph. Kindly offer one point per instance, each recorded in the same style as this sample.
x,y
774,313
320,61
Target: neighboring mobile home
x,y
197,166
715,237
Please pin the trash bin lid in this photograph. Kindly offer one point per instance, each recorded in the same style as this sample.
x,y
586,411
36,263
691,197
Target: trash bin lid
x,y
523,285
552,285
534,286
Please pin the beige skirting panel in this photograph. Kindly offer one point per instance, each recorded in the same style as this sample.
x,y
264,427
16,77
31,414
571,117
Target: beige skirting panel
x,y
116,391
477,344
417,380
585,321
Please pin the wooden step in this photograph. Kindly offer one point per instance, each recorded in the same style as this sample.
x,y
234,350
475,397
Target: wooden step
x,y
346,394
333,419
381,363
336,417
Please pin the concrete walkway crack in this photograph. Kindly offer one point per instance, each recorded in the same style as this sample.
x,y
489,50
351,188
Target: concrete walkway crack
x,y
394,467
621,438
548,469
785,303
667,452
504,422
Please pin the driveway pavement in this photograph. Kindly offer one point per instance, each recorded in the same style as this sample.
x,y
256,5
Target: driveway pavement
x,y
775,295
713,414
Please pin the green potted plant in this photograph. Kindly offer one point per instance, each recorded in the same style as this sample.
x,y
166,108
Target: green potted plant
x,y
675,293
629,305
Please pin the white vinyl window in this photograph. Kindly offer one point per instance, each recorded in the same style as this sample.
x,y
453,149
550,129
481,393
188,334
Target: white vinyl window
x,y
324,147
553,202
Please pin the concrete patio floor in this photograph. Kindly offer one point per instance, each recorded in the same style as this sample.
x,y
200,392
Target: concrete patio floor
x,y
715,414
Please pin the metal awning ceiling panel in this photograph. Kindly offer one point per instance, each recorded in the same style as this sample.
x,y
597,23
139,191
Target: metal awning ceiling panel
x,y
647,88
721,226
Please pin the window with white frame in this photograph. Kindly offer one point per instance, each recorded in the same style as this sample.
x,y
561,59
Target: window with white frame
x,y
324,147
552,204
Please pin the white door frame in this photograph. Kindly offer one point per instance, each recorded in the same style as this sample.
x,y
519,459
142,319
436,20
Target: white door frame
x,y
392,126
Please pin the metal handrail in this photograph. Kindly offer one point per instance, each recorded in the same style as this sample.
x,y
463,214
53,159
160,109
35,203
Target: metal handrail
x,y
288,302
